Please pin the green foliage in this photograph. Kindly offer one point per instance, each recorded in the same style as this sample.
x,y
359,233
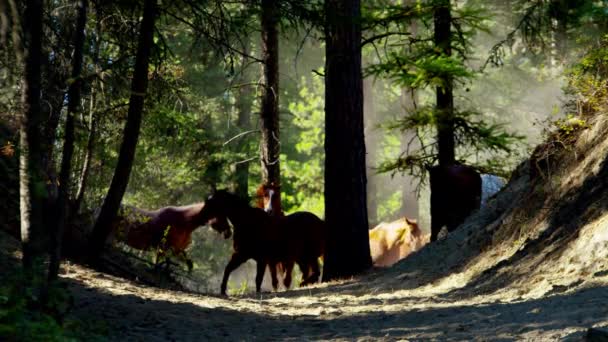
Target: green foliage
x,y
303,175
588,80
417,64
20,321
239,290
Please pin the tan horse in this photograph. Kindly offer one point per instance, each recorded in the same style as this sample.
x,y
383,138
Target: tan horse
x,y
391,242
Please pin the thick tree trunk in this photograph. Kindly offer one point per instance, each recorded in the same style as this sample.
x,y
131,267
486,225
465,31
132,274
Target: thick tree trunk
x,y
243,104
445,97
139,86
372,143
347,252
31,175
270,94
68,145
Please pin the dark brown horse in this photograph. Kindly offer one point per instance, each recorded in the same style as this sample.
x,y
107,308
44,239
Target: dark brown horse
x,y
305,226
296,238
166,229
455,194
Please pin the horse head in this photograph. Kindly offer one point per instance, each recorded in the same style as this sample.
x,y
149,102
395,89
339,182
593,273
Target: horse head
x,y
220,224
269,199
218,208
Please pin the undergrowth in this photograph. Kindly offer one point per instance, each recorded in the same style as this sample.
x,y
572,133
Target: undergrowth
x,y
22,318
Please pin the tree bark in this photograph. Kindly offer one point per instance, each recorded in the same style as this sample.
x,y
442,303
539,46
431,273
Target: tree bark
x,y
559,31
409,200
68,145
409,100
347,252
372,143
445,97
139,86
243,104
270,94
31,176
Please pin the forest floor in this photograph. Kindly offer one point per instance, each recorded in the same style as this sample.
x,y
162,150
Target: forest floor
x,y
378,306
531,265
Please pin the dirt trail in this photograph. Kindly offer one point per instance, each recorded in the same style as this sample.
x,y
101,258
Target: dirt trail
x,y
344,311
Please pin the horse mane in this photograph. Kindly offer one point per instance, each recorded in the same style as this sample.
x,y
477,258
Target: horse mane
x,y
259,196
227,195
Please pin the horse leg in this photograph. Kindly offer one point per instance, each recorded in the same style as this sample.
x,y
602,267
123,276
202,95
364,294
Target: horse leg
x,y
288,270
159,255
316,272
236,260
312,277
304,269
259,275
187,260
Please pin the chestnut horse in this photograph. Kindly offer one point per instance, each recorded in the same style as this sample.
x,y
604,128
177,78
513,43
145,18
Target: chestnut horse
x,y
266,198
391,242
165,229
269,240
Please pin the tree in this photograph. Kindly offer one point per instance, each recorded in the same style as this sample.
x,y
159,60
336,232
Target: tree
x,y
347,251
95,88
372,145
243,106
445,98
139,86
270,94
68,145
31,177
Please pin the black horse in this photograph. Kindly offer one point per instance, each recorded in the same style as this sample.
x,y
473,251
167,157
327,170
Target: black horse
x,y
269,240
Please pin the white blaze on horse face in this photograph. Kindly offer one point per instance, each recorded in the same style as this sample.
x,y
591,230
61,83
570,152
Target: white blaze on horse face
x,y
268,206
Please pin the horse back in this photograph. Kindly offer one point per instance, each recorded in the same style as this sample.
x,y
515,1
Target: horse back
x,y
305,230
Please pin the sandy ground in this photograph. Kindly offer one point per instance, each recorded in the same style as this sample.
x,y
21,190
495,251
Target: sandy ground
x,y
347,311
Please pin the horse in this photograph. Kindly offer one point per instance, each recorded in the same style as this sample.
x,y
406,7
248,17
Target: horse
x,y
455,194
269,240
267,199
168,228
393,241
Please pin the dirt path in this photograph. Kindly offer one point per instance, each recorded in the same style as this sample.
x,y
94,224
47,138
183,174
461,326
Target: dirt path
x,y
347,311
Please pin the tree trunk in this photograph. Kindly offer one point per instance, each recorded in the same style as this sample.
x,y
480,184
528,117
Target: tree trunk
x,y
445,97
409,100
270,94
97,86
139,86
558,13
372,143
347,252
243,104
31,177
68,145
409,200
